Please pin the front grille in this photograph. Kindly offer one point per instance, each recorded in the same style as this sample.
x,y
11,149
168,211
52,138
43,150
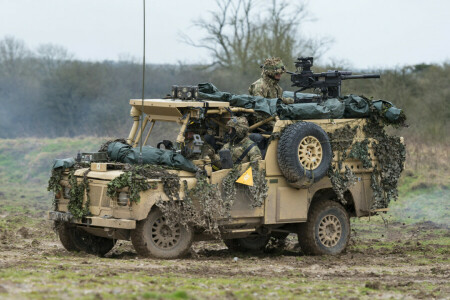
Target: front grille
x,y
106,201
96,194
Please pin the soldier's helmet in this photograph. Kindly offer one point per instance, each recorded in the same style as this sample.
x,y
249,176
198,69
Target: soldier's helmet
x,y
273,66
240,124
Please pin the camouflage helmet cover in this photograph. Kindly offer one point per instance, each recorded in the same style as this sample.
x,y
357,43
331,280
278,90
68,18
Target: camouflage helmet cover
x,y
272,66
240,124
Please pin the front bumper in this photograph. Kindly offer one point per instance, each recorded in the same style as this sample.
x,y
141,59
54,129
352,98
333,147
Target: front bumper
x,y
92,221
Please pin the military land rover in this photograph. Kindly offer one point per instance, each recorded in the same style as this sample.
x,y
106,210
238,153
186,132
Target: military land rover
x,y
316,171
313,177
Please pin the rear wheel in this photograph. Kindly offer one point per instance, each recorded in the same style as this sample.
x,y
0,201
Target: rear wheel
x,y
327,230
76,239
154,237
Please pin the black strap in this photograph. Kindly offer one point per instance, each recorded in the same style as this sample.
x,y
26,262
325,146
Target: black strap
x,y
238,161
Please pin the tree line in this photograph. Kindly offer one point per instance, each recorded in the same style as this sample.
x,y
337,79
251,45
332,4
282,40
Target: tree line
x,y
46,93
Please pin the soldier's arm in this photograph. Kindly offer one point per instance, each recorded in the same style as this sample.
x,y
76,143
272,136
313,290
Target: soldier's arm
x,y
286,100
254,154
257,89
208,151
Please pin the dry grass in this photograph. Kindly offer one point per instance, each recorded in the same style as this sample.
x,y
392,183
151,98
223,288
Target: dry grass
x,y
428,164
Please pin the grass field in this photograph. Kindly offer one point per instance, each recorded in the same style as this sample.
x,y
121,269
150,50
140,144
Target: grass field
x,y
402,254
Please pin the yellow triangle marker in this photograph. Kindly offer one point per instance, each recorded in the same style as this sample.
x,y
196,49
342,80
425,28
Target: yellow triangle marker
x,y
246,178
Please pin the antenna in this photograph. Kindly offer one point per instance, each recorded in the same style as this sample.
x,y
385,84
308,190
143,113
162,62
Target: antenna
x,y
140,160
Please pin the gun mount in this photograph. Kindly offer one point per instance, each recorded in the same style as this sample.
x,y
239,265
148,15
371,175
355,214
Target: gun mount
x,y
329,83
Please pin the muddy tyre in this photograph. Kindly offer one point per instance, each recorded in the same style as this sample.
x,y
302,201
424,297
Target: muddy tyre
x,y
76,239
65,236
153,237
304,154
252,243
327,230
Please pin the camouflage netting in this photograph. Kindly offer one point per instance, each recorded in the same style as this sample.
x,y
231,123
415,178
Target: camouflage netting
x,y
202,207
360,150
77,192
391,155
78,189
259,190
257,193
341,141
135,178
389,151
205,205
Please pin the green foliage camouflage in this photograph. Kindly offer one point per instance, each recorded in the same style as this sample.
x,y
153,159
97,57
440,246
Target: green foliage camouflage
x,y
341,140
206,204
135,178
391,155
202,207
77,189
54,184
360,150
77,192
341,182
259,191
389,151
54,181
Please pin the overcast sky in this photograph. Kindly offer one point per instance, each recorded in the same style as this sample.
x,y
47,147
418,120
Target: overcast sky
x,y
367,33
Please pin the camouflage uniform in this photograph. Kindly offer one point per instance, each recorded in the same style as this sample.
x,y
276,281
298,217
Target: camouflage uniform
x,y
267,86
241,141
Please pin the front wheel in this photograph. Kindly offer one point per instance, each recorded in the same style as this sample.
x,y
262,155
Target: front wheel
x,y
154,237
76,239
327,230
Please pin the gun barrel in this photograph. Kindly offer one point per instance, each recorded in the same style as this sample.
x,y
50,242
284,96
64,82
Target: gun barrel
x,y
363,76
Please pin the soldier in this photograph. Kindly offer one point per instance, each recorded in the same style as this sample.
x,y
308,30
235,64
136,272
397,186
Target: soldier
x,y
242,148
267,86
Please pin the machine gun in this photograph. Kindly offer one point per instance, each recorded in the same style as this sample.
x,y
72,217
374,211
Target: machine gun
x,y
328,82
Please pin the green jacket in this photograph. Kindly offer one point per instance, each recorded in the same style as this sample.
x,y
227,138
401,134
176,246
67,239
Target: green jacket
x,y
237,149
268,88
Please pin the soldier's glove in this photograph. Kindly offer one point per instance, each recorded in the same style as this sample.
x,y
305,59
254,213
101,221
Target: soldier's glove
x,y
287,100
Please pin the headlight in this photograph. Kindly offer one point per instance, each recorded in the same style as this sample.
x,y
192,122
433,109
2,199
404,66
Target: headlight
x,y
123,198
67,192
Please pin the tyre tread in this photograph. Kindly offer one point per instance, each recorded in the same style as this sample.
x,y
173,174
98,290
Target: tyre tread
x,y
288,159
140,245
306,232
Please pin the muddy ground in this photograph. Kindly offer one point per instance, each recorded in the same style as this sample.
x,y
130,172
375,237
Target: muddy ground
x,y
397,261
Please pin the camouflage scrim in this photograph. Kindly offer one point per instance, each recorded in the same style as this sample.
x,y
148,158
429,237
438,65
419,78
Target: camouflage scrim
x,y
267,86
273,66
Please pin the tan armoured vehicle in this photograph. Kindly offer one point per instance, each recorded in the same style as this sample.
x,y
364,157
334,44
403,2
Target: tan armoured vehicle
x,y
299,190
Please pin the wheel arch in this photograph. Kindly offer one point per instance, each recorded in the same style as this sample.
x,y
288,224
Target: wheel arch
x,y
327,193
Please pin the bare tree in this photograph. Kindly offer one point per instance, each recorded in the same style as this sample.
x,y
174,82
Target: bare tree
x,y
12,54
52,56
229,33
240,34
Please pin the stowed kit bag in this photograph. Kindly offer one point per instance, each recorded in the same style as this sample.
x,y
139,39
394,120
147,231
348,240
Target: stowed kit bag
x,y
126,154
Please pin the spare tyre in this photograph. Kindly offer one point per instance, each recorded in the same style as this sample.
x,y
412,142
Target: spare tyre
x,y
304,154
